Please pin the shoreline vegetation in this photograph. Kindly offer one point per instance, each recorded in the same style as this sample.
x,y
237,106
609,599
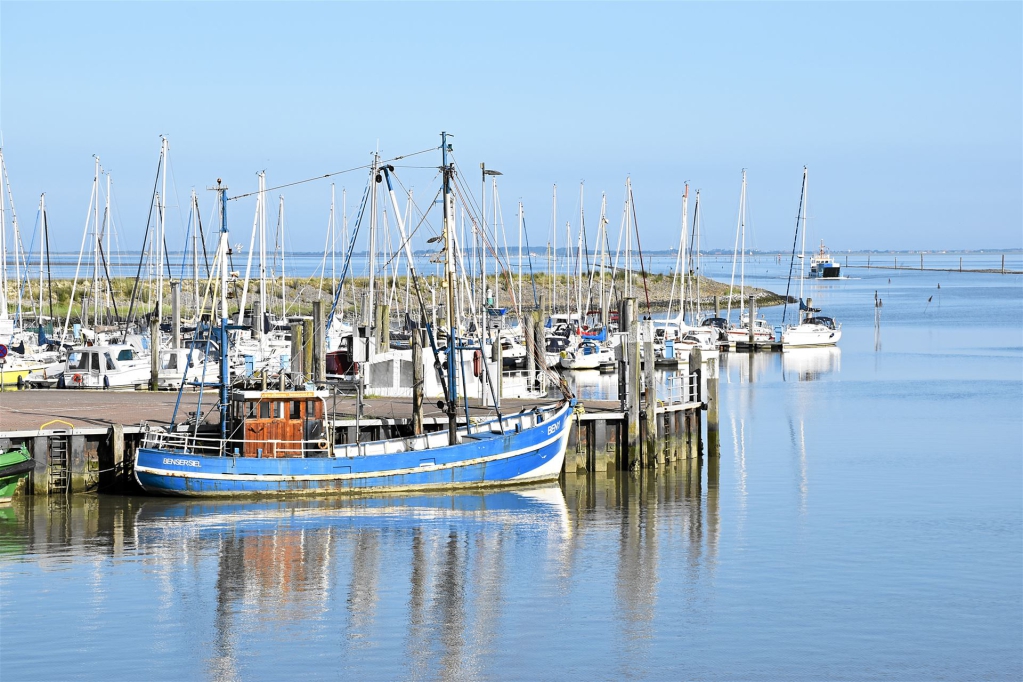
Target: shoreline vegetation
x,y
300,292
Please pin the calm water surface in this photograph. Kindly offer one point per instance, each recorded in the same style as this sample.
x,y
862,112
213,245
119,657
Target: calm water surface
x,y
864,521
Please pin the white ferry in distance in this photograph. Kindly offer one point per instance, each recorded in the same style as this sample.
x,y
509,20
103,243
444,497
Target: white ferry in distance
x,y
823,266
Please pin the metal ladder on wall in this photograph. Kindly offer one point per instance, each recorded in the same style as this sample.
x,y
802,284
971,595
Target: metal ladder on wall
x,y
59,462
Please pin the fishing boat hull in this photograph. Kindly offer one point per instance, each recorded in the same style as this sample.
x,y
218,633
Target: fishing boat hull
x,y
483,458
14,466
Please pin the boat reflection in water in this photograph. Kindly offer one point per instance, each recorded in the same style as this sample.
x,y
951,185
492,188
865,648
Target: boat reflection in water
x,y
293,563
810,364
403,587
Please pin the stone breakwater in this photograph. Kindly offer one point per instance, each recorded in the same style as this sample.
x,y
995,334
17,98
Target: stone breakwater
x,y
300,292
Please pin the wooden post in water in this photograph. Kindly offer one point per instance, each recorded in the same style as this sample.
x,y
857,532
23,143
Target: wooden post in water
x,y
960,263
175,314
530,320
154,349
713,437
921,260
319,344
752,317
1003,263
307,349
383,328
540,346
648,456
418,378
496,354
256,319
296,351
634,380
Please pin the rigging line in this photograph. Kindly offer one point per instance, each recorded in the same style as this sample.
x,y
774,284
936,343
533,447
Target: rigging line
x,y
49,269
106,270
138,273
635,221
459,180
327,175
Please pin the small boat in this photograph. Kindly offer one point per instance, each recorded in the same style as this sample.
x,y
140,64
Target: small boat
x,y
587,355
823,266
115,366
811,329
15,464
708,349
190,365
763,332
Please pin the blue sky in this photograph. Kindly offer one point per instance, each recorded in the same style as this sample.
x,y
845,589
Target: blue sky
x,y
909,115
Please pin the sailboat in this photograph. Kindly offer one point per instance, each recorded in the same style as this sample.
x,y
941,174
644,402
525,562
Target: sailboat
x,y
740,333
812,329
280,442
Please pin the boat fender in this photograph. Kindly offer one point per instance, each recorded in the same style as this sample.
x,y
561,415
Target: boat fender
x,y
106,381
322,444
477,363
60,381
21,382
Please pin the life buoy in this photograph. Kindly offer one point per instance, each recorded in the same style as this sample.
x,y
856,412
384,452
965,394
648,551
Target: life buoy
x,y
322,444
477,363
77,379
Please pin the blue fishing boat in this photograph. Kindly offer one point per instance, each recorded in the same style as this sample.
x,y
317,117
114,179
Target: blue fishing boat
x,y
280,442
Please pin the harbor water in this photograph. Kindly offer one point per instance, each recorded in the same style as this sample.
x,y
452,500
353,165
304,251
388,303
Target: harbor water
x,y
863,520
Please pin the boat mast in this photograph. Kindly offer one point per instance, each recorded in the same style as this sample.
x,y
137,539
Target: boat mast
x,y
742,262
368,312
225,377
602,244
161,237
802,249
42,243
554,250
694,251
95,253
449,277
284,281
520,263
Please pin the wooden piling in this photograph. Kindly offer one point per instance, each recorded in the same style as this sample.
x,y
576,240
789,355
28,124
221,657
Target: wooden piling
x,y
307,349
711,399
634,380
154,358
530,320
297,354
417,381
319,344
498,358
175,314
752,317
383,328
256,318
649,454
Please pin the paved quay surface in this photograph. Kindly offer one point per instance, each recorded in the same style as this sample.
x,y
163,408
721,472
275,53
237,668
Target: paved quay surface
x,y
30,410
